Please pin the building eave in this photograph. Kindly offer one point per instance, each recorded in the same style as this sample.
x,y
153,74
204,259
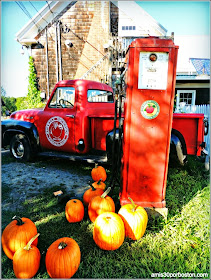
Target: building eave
x,y
46,16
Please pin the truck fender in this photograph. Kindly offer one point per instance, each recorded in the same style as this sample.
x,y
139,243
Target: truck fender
x,y
109,143
13,127
178,147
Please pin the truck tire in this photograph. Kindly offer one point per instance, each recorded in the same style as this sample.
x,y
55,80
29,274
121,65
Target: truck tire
x,y
20,148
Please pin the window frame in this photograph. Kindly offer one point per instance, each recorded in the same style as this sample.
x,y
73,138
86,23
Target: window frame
x,y
56,92
178,96
100,101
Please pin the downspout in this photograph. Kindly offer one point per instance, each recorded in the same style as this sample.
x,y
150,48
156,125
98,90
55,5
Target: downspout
x,y
46,40
60,54
56,50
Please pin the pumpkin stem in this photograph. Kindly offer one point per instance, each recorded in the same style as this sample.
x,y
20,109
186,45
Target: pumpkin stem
x,y
28,245
134,206
96,165
62,245
106,192
93,188
19,220
98,183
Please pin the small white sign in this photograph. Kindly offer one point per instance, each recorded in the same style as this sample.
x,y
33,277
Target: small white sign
x,y
153,74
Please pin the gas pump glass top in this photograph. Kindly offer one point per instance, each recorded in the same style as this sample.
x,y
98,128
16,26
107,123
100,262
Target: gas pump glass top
x,y
153,73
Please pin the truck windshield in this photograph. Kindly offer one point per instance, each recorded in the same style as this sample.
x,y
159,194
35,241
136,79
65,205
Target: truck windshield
x,y
96,95
64,97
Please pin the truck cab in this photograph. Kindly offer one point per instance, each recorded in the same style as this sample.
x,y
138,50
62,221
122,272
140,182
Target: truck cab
x,y
76,119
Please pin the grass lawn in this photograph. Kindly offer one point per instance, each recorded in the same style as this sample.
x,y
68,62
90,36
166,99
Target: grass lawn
x,y
180,245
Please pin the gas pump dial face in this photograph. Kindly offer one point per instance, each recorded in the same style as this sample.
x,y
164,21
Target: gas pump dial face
x,y
153,70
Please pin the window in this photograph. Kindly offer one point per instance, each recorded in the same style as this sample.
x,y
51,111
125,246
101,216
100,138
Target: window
x,y
64,97
187,97
128,28
96,95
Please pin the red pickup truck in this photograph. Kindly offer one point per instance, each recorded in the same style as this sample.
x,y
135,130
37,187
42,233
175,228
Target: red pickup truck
x,y
79,118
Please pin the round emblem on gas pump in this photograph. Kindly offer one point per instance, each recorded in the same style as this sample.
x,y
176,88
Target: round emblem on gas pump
x,y
150,109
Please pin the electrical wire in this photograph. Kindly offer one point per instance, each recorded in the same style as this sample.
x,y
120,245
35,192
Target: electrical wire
x,y
23,8
26,12
85,41
43,19
49,8
82,39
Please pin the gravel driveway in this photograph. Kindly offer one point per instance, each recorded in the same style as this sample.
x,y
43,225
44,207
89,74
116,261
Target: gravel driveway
x,y
21,181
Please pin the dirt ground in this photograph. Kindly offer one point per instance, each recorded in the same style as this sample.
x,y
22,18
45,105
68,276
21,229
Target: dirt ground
x,y
21,181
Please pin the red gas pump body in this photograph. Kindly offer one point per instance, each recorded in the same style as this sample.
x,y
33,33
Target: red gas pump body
x,y
150,84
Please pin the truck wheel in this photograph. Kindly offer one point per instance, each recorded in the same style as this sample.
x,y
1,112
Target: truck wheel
x,y
20,147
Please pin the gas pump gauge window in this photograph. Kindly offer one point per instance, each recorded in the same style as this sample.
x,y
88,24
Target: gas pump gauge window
x,y
153,70
153,57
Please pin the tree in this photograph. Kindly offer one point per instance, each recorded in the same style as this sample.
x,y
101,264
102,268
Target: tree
x,y
8,104
33,96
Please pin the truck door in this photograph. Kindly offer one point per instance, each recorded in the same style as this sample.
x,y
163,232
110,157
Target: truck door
x,y
56,124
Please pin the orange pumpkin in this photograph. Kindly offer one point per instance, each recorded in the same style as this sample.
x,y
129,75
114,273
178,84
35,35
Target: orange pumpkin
x,y
74,211
17,234
135,219
90,193
63,258
98,172
99,185
109,231
26,260
100,204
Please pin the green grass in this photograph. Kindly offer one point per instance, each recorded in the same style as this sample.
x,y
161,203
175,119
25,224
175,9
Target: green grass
x,y
179,245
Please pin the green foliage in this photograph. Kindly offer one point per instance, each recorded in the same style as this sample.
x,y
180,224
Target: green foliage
x,y
10,103
21,103
33,99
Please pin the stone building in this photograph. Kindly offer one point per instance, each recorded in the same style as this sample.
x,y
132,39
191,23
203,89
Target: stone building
x,y
79,39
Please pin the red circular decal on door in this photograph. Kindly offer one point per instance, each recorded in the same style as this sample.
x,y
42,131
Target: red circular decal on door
x,y
57,131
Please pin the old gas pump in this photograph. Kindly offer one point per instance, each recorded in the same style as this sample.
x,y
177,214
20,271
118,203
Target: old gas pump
x,y
150,85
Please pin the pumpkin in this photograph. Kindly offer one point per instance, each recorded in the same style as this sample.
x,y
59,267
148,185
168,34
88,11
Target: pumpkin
x,y
135,219
63,258
100,204
99,185
74,211
90,193
26,260
98,172
109,231
17,234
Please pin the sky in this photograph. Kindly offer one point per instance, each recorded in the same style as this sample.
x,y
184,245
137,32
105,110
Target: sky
x,y
14,65
180,17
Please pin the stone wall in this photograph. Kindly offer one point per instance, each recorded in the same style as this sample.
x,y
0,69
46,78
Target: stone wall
x,y
87,26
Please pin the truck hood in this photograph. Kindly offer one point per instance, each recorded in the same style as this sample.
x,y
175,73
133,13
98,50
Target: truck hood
x,y
26,115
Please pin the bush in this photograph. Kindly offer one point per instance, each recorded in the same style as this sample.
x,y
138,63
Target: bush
x,y
33,99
